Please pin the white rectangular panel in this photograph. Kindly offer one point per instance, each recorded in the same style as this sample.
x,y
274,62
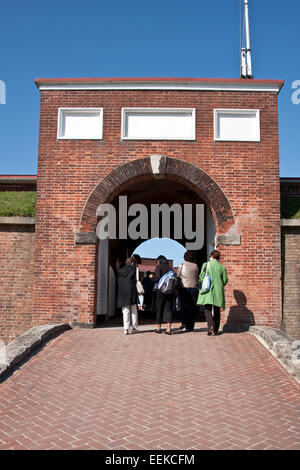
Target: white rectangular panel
x,y
158,123
80,123
237,125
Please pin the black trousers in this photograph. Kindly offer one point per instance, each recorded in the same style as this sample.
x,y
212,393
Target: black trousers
x,y
164,311
188,298
212,315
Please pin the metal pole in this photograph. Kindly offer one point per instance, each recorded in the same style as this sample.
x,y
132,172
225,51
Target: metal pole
x,y
248,48
243,65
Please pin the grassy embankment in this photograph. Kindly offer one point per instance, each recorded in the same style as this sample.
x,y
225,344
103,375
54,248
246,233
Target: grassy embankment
x,y
17,203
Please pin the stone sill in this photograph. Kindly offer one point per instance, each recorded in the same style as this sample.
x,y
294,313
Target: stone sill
x,y
290,222
16,220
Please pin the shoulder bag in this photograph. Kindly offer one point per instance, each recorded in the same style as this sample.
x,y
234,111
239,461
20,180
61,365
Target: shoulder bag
x,y
206,281
139,285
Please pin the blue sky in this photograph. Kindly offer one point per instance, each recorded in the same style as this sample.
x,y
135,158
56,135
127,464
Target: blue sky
x,y
145,38
161,246
151,38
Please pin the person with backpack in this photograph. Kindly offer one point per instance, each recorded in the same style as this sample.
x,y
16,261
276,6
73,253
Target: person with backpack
x,y
213,277
188,274
164,300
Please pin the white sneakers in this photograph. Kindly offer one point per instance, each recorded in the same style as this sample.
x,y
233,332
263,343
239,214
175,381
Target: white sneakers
x,y
133,330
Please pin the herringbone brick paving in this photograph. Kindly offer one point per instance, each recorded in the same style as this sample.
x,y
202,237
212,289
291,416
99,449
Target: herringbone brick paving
x,y
99,389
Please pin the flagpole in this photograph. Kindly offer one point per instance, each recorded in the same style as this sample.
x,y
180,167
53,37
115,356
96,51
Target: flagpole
x,y
246,62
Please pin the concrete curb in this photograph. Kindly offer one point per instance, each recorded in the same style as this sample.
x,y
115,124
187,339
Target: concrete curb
x,y
283,347
19,349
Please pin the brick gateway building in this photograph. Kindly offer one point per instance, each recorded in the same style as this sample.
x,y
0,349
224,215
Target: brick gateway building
x,y
155,140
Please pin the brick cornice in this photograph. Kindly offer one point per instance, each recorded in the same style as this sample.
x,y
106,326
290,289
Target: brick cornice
x,y
159,83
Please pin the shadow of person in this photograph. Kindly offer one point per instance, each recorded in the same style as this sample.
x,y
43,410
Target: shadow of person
x,y
240,318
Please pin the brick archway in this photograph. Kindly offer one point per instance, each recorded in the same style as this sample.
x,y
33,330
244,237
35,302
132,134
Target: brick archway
x,y
159,167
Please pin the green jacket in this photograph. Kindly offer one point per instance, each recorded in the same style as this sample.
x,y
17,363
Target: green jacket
x,y
218,277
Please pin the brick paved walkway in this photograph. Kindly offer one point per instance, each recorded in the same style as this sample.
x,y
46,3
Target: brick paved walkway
x,y
99,389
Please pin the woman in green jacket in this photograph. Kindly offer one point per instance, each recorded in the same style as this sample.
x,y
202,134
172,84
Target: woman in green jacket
x,y
214,299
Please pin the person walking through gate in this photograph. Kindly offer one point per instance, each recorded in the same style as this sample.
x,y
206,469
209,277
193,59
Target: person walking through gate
x,y
140,296
214,299
163,301
127,294
188,274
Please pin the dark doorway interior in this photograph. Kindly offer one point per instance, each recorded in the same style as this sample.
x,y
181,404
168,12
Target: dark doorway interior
x,y
145,191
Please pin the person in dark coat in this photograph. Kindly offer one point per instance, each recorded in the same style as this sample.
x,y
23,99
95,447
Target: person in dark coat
x,y
163,301
127,294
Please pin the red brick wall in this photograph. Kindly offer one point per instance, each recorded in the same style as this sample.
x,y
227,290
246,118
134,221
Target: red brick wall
x,y
17,187
17,183
16,268
290,189
291,280
69,170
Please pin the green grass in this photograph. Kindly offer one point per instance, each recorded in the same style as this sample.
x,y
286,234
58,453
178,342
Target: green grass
x,y
290,207
17,203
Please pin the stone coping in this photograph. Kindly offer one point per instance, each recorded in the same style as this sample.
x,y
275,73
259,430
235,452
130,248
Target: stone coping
x,y
290,222
19,349
282,346
17,220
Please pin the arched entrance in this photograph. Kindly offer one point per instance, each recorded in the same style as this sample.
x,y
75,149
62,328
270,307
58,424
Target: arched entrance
x,y
147,181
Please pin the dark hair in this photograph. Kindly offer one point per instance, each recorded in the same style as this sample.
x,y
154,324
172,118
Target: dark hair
x,y
131,261
137,258
215,254
148,273
190,256
161,259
